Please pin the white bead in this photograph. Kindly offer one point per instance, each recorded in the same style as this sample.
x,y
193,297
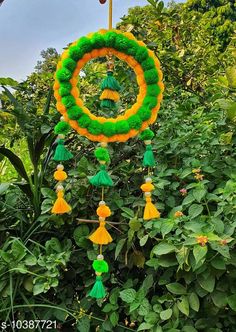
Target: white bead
x,y
100,257
60,167
102,203
148,142
61,136
60,187
147,194
62,118
103,144
148,180
101,219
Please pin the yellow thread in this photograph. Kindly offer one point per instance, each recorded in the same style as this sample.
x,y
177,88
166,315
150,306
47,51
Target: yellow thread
x,y
101,249
102,193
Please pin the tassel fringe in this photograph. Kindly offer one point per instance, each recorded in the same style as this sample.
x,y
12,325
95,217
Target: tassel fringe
x,y
60,206
98,290
101,235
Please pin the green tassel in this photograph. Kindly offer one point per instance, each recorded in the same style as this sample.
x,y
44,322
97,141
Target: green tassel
x,y
98,290
102,178
148,159
100,266
107,103
61,153
110,82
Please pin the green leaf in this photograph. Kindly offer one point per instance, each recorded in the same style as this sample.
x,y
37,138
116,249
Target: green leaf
x,y
218,263
4,187
144,307
199,193
194,302
145,326
119,247
83,325
7,81
188,328
128,295
143,240
219,298
163,248
232,302
166,314
176,288
184,306
207,282
80,235
16,162
166,227
135,224
199,252
195,210
114,318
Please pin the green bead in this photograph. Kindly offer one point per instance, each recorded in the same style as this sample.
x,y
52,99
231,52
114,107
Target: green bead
x,y
147,135
84,121
100,266
102,154
122,127
62,128
74,112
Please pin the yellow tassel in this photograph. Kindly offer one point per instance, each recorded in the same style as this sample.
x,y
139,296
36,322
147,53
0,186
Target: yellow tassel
x,y
110,94
101,235
60,206
147,187
60,175
150,211
103,211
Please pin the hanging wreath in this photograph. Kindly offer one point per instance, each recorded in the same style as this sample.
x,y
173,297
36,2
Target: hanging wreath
x,y
149,79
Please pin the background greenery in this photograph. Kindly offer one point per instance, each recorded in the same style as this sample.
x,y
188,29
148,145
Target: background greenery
x,y
160,278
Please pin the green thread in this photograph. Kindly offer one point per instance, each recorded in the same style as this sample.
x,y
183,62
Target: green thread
x,y
98,290
61,153
102,178
148,158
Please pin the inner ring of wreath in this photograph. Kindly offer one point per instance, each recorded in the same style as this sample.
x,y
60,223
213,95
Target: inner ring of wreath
x,y
148,75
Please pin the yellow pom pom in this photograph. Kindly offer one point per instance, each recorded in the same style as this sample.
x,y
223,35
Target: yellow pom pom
x,y
60,206
147,187
101,235
150,211
103,211
60,175
110,94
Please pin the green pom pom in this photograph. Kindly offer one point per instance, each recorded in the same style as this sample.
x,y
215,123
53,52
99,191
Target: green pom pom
x,y
150,102
142,54
69,64
84,121
98,290
97,41
122,127
144,113
95,127
102,178
121,43
68,101
109,129
151,76
62,128
63,75
147,64
148,158
153,90
74,112
102,154
147,135
132,47
110,82
75,53
135,122
85,44
65,89
100,266
110,39
109,104
61,153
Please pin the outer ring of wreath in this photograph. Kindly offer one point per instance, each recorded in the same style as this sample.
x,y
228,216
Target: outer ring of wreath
x,y
149,79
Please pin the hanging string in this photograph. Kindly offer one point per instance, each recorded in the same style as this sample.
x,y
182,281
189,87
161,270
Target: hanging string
x,y
110,14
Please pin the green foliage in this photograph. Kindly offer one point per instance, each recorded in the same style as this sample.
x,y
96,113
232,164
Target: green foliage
x,y
160,278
